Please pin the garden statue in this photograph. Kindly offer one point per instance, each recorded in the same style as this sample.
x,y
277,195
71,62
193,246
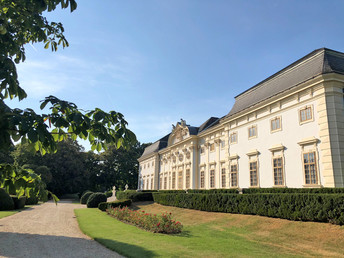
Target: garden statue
x,y
126,187
114,191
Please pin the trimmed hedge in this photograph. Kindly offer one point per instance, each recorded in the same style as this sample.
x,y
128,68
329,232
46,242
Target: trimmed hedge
x,y
84,197
292,206
6,202
171,191
19,203
95,199
122,203
293,190
134,196
108,194
32,200
213,191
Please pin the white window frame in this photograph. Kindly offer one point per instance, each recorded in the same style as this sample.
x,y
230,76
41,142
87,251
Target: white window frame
x,y
255,130
233,134
280,124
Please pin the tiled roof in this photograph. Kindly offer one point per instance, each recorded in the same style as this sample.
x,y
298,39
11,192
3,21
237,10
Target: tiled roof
x,y
320,61
156,146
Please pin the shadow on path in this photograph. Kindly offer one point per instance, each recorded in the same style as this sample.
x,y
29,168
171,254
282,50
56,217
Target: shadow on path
x,y
34,245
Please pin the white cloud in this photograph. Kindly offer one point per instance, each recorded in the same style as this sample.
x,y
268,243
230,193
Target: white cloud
x,y
40,78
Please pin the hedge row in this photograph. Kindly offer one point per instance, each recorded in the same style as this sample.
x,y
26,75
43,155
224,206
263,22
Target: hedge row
x,y
105,205
214,191
203,191
305,207
294,190
134,196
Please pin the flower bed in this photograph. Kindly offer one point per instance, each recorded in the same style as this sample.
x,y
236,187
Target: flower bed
x,y
150,222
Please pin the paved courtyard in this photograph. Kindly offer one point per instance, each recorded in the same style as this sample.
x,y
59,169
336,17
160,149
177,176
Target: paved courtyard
x,y
47,230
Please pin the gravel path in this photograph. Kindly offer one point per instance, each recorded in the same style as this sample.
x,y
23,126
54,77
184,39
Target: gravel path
x,y
47,230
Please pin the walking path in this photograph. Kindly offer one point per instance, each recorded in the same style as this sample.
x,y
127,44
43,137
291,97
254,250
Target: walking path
x,y
48,230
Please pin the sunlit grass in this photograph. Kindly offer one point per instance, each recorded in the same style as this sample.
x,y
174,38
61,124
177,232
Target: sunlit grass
x,y
214,235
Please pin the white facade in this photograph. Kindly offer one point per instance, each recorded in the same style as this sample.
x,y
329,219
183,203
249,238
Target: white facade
x,y
294,138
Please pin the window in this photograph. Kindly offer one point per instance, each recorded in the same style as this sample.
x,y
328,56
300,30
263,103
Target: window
x,y
275,124
212,178
212,147
252,132
234,175
278,171
148,165
152,183
306,114
143,186
174,180
152,163
144,166
310,168
165,182
223,144
202,150
187,179
180,180
160,183
253,173
169,181
202,179
233,138
223,177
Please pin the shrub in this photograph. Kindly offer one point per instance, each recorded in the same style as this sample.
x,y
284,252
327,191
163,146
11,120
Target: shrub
x,y
171,191
6,202
213,191
106,205
134,196
84,197
154,223
293,206
95,199
32,200
108,194
294,190
19,203
81,194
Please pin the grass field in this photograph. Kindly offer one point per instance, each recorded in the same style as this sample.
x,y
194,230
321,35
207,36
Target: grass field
x,y
214,235
4,214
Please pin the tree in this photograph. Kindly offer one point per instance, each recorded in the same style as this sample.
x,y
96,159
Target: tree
x,y
119,166
22,22
63,171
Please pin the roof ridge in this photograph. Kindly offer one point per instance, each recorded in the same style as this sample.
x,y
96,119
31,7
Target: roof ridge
x,y
285,69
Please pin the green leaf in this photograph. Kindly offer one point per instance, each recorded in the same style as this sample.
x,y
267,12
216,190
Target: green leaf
x,y
32,135
20,192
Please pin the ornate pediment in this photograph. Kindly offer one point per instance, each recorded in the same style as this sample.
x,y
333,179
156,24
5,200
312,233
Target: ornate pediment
x,y
180,131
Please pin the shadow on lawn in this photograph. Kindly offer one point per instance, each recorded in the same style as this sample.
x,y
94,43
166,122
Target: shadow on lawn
x,y
135,205
126,249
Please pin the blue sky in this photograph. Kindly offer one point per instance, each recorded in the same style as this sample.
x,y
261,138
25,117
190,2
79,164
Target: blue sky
x,y
157,61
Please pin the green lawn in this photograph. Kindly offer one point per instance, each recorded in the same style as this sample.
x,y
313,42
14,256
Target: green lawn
x,y
214,235
4,214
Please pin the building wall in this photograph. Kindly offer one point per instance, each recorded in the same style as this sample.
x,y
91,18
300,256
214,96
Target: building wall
x,y
212,149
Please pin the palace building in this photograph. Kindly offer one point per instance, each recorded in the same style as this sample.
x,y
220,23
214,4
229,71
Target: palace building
x,y
286,131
